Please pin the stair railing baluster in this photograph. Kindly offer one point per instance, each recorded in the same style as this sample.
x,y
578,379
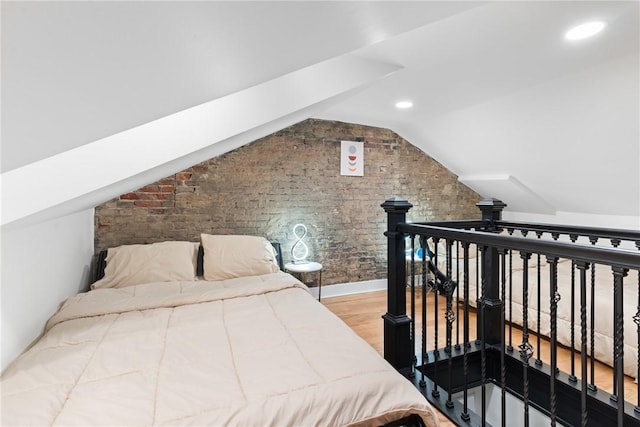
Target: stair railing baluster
x,y
538,361
436,352
479,267
458,295
483,341
572,376
539,295
582,268
554,298
412,282
592,384
526,349
510,346
465,338
618,339
423,280
450,317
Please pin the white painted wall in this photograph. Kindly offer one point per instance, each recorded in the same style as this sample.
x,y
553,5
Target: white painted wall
x,y
41,266
627,222
69,79
571,142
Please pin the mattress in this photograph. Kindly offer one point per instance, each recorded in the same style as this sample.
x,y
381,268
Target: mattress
x,y
256,350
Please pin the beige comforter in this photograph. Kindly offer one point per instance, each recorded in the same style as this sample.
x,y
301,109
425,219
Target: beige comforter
x,y
243,352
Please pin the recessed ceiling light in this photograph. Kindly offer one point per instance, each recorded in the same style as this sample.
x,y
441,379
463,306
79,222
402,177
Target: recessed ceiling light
x,y
403,105
586,30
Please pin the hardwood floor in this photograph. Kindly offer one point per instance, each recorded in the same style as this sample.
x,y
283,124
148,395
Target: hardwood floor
x,y
362,312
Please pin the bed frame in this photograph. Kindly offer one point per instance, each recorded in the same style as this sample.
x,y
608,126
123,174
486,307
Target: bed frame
x,y
457,371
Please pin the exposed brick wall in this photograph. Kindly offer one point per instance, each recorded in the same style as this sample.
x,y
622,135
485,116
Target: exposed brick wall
x,y
292,176
160,195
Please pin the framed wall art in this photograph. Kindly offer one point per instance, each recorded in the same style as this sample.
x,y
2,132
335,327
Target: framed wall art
x,y
352,158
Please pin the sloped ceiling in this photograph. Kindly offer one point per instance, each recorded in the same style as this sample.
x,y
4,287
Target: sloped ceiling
x,y
515,110
99,98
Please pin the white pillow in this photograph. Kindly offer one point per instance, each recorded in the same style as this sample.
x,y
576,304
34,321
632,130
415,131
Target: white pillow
x,y
229,256
130,265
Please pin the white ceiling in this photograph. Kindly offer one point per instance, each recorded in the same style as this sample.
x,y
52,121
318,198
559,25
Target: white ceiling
x,y
500,98
516,111
74,72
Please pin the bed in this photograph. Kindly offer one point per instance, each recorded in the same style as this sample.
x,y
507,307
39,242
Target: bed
x,y
154,343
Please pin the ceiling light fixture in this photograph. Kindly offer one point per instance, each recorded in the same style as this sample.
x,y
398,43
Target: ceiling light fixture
x,y
586,30
403,105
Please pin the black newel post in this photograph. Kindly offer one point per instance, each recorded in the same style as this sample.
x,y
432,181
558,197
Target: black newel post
x,y
491,212
397,333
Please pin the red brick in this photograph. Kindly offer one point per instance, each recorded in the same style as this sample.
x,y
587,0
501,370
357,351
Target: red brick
x,y
155,196
167,188
149,189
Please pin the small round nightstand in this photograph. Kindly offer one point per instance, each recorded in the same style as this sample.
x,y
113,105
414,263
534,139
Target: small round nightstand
x,y
306,267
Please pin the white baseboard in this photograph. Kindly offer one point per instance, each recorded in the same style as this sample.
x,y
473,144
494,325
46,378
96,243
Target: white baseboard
x,y
351,288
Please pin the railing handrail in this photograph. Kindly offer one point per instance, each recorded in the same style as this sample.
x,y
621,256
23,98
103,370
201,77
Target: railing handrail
x,y
618,257
498,245
463,224
604,233
599,232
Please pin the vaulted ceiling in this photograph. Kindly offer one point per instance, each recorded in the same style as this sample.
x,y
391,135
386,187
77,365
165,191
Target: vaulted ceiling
x,y
99,98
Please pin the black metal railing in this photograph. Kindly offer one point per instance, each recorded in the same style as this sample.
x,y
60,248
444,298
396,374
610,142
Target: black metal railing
x,y
560,289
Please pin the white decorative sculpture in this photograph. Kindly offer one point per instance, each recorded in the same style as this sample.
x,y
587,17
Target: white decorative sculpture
x,y
299,251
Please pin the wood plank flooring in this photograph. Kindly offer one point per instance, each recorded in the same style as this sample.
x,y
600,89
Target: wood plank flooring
x,y
363,312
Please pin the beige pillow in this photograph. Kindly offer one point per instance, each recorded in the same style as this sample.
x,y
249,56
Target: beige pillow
x,y
229,256
130,265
